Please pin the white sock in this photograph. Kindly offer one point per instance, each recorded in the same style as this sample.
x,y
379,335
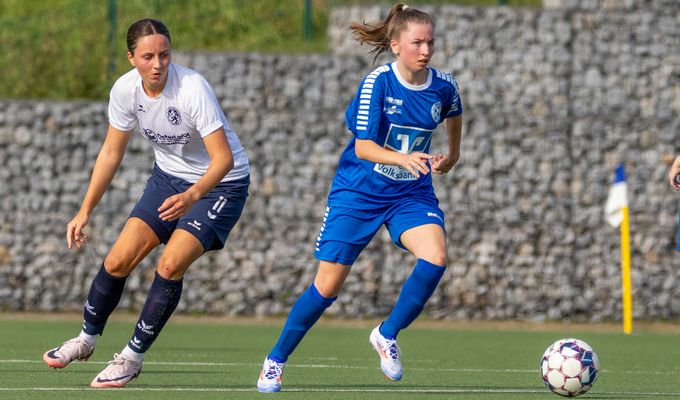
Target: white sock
x,y
129,353
89,339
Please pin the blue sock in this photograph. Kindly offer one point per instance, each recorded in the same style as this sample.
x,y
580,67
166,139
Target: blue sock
x,y
414,294
103,298
305,312
160,304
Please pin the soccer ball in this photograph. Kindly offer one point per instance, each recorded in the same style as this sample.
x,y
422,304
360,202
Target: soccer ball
x,y
569,367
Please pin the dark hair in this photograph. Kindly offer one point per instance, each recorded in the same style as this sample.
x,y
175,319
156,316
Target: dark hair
x,y
379,34
145,27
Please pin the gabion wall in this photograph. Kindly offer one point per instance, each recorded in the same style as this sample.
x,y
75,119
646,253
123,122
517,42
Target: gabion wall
x,y
554,99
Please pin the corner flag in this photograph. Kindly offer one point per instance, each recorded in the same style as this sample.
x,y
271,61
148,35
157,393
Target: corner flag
x,y
616,213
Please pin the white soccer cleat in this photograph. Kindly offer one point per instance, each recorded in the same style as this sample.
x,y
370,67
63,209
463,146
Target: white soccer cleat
x,y
270,376
117,373
70,350
390,354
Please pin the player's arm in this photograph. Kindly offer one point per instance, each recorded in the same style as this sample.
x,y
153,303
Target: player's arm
x,y
415,163
221,162
105,167
441,163
673,174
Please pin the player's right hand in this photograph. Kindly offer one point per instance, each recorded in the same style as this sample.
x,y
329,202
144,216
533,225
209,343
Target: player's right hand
x,y
74,230
416,163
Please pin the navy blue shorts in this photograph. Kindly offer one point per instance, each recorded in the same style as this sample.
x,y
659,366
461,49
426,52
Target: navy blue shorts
x,y
210,219
345,232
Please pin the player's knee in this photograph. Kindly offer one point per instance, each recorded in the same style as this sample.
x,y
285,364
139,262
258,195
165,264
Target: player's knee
x,y
437,259
169,268
117,265
328,289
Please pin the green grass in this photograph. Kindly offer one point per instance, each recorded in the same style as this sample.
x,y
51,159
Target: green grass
x,y
67,49
208,360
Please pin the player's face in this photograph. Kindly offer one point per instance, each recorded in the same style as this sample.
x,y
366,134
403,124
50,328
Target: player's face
x,y
414,47
152,58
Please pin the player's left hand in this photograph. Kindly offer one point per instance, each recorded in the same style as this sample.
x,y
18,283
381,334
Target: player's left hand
x,y
442,164
176,206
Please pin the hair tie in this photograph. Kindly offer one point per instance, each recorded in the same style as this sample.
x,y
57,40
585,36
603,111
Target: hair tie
x,y
404,7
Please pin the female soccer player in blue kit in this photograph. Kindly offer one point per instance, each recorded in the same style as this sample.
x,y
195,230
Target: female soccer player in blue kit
x,y
194,197
384,178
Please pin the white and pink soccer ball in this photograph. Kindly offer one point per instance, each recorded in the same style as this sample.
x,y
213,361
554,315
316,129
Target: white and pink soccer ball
x,y
569,367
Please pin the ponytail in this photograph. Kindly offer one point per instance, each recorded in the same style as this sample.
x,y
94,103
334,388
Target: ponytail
x,y
379,34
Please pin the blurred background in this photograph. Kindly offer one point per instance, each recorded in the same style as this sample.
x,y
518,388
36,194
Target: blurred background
x,y
74,49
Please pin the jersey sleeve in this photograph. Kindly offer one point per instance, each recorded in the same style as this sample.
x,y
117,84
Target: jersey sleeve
x,y
121,106
455,106
364,113
203,107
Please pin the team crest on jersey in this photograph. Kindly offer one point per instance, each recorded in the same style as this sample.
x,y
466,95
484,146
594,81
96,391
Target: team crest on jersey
x,y
174,116
436,111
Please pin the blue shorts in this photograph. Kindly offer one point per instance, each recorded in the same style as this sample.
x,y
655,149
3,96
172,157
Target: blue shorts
x,y
210,219
345,232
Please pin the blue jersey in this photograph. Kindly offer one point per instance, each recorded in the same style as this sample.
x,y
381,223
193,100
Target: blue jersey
x,y
398,116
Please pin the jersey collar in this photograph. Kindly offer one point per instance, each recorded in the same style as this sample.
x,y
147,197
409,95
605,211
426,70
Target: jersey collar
x,y
409,85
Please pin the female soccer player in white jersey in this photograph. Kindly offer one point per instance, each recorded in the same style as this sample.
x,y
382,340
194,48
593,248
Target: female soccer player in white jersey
x,y
384,178
192,200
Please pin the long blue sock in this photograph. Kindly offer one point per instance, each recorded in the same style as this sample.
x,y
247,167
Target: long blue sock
x,y
414,294
160,304
305,312
102,299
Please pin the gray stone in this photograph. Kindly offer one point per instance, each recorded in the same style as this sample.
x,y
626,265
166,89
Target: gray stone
x,y
554,99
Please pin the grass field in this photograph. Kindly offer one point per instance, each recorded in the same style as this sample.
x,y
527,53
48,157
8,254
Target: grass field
x,y
219,359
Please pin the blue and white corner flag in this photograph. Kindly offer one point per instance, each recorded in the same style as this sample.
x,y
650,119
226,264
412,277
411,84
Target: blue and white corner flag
x,y
617,199
616,213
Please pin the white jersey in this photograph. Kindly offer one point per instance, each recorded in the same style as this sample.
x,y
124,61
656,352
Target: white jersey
x,y
176,122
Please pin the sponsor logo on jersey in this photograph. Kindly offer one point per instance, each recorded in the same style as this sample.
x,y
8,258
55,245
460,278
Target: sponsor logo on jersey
x,y
394,172
436,111
435,215
140,108
195,224
394,105
405,140
182,138
174,116
392,100
392,110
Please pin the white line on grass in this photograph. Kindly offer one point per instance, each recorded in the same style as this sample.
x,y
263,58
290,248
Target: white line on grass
x,y
341,366
326,390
